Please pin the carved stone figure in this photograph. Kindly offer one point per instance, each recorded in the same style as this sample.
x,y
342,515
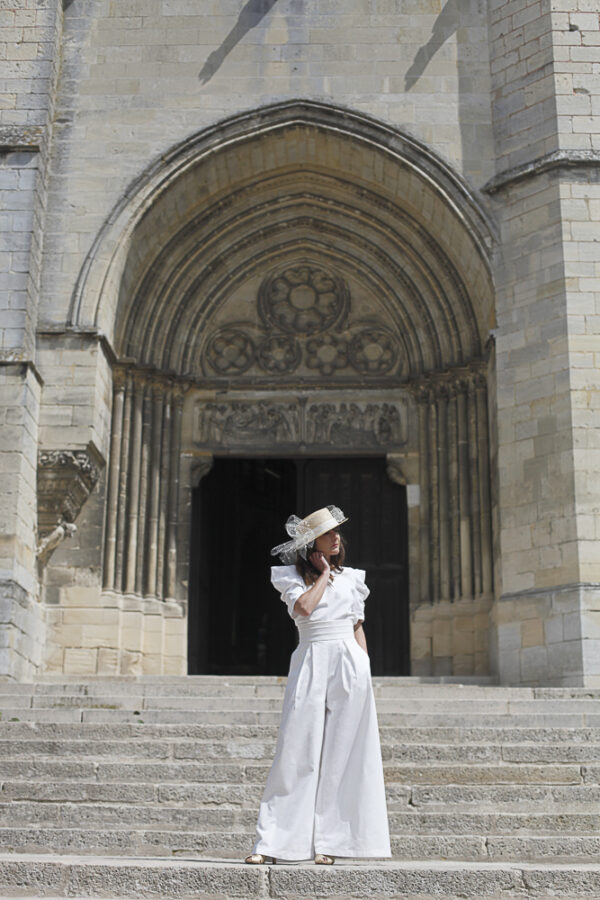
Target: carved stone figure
x,y
65,479
49,544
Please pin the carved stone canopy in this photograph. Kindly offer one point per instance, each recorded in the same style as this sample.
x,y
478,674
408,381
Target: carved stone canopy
x,y
300,323
65,479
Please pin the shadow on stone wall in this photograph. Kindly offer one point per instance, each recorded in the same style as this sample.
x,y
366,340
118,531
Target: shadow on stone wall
x,y
454,18
251,15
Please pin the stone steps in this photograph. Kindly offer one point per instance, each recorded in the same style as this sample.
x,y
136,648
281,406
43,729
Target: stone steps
x,y
142,878
270,697
387,701
204,750
511,797
234,845
197,773
457,821
249,717
404,734
157,782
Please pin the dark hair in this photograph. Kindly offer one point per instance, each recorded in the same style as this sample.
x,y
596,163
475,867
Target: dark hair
x,y
309,572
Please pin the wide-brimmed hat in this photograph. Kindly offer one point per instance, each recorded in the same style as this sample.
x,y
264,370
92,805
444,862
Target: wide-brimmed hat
x,y
305,531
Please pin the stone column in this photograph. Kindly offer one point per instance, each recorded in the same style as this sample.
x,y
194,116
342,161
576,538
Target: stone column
x,y
158,395
485,512
143,491
445,551
112,498
133,499
173,507
456,550
121,508
474,475
432,550
466,524
163,499
425,498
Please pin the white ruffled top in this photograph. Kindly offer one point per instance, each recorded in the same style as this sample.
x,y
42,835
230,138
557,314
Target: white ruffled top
x,y
344,597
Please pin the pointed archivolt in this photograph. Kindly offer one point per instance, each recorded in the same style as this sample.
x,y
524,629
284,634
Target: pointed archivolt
x,y
294,181
308,243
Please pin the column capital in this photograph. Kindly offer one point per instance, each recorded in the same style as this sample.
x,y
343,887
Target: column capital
x,y
201,466
395,468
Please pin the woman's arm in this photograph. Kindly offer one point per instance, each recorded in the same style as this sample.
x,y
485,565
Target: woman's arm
x,y
359,634
307,601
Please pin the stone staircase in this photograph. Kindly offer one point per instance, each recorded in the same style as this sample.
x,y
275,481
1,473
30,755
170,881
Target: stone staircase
x,y
149,787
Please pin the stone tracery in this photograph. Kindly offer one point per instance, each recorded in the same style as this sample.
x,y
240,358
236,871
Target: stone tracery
x,y
304,315
303,300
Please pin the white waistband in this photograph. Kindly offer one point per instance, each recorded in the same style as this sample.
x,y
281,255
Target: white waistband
x,y
325,631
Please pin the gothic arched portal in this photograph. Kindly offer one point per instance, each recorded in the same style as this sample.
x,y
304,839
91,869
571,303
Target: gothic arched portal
x,y
302,281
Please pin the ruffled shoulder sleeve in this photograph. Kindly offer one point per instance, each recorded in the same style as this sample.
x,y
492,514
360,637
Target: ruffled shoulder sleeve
x,y
289,583
361,592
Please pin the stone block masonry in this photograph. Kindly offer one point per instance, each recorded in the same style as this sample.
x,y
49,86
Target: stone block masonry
x,y
547,340
501,99
490,791
29,62
94,633
21,614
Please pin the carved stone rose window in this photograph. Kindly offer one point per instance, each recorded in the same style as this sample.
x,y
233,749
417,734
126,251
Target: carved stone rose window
x,y
373,352
304,319
279,353
303,300
326,353
231,351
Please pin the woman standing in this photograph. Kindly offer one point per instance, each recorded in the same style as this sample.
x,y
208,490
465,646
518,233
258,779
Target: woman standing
x,y
324,795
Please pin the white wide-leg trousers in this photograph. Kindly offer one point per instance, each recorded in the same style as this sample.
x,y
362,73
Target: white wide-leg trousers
x,y
325,791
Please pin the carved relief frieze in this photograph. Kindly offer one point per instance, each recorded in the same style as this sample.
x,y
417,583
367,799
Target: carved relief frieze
x,y
244,424
303,321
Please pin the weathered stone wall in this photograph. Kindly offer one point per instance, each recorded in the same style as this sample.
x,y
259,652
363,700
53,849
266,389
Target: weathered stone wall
x,y
141,75
29,62
546,107
21,621
155,55
505,93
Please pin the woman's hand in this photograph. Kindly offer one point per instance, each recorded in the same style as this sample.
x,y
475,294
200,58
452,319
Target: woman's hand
x,y
310,598
361,639
319,561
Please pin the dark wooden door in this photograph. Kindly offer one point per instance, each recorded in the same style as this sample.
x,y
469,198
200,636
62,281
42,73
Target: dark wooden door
x,y
377,540
236,624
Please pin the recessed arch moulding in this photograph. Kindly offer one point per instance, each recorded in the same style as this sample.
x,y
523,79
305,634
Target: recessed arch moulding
x,y
294,180
301,255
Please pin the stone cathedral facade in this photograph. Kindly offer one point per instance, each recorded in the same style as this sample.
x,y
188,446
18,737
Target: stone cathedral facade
x,y
300,227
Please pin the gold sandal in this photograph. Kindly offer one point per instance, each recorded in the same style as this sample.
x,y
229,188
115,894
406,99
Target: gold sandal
x,y
321,859
258,859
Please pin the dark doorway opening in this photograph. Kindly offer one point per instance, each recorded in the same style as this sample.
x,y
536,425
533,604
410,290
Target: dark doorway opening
x,y
237,625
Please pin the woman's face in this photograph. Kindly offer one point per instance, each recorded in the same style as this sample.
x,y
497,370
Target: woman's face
x,y
329,543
